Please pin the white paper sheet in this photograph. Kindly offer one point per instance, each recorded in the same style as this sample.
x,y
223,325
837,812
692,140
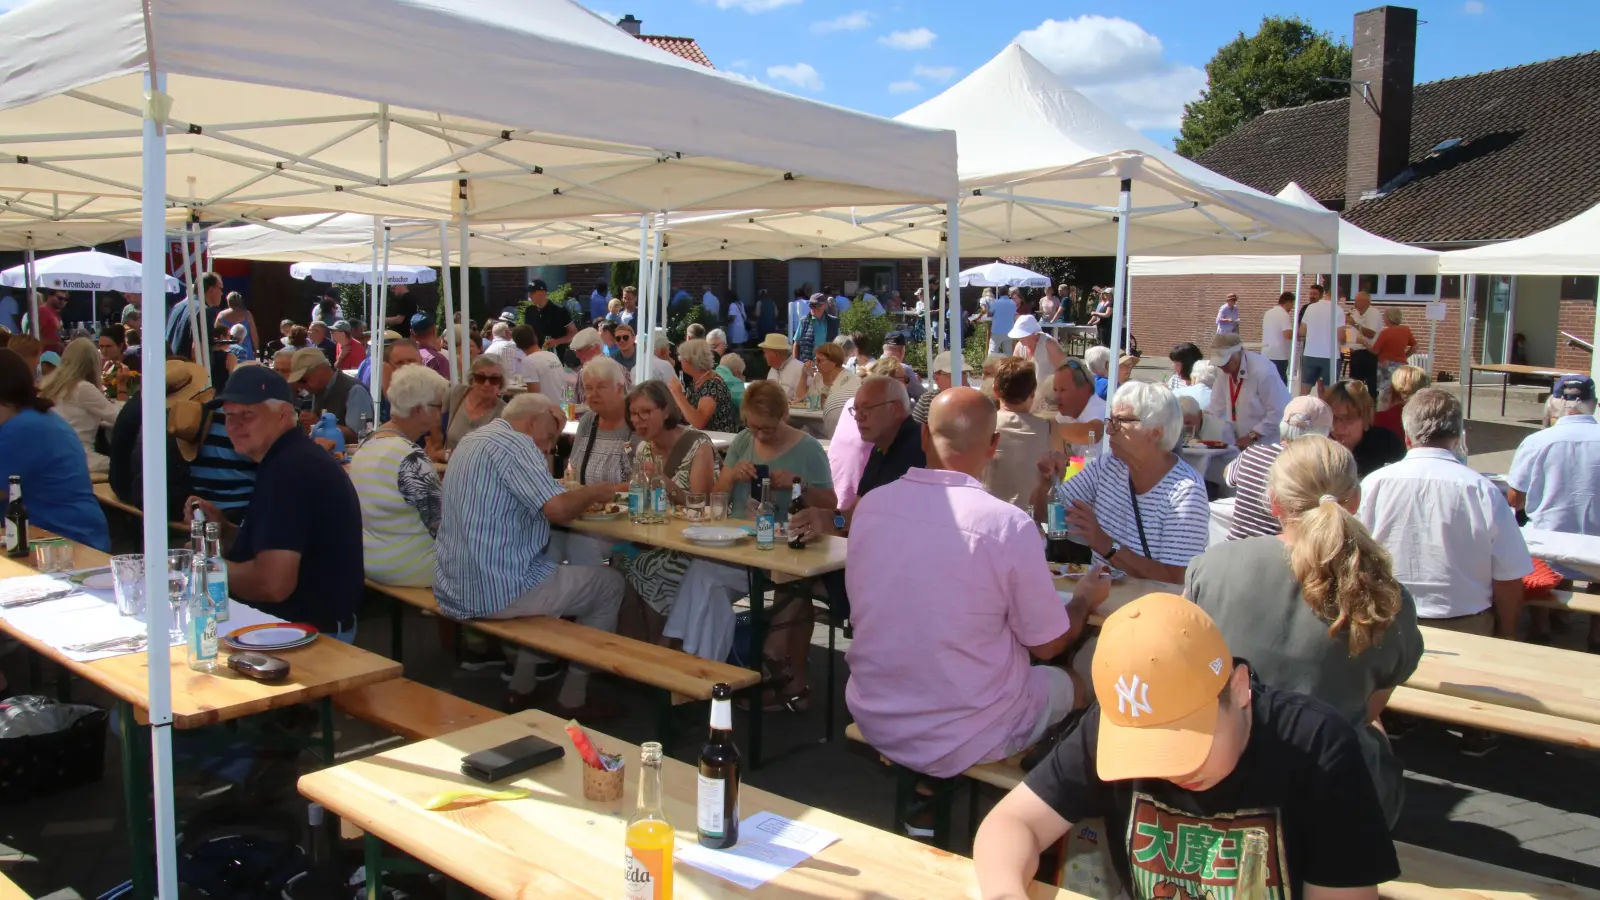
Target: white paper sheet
x,y
769,845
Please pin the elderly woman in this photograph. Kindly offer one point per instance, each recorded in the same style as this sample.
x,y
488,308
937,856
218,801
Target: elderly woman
x,y
43,451
1247,475
1403,382
1098,359
838,385
731,370
1141,509
237,314
705,403
401,498
1317,609
1199,426
1394,344
1024,437
1352,407
718,339
1183,357
602,453
475,404
74,388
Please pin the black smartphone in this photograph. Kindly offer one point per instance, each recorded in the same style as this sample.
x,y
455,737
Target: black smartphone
x,y
510,758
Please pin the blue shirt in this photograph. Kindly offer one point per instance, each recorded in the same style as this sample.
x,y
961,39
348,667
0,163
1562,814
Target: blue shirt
x,y
46,452
1559,469
222,474
1100,386
364,375
305,503
598,304
493,536
1003,310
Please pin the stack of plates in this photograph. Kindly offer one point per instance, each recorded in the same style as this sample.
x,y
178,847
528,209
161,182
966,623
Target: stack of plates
x,y
271,636
715,535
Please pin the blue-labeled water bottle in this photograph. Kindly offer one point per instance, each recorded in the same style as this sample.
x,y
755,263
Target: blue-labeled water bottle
x,y
766,517
216,572
658,499
202,650
638,497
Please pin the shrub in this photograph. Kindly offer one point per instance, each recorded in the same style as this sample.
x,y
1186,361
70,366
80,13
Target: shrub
x,y
859,319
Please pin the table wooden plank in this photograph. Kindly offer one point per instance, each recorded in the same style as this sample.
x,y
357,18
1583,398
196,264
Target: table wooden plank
x,y
1541,679
1122,593
556,844
818,558
1515,369
10,891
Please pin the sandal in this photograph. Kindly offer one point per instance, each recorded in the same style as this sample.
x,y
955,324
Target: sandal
x,y
773,702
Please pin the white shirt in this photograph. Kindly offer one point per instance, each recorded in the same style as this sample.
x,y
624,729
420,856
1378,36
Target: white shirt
x,y
1449,530
544,368
1319,325
1261,397
1276,321
737,333
1094,410
660,370
1373,319
711,303
787,375
1559,469
510,357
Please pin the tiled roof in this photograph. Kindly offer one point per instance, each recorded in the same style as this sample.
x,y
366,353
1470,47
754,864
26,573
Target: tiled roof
x,y
1529,156
687,48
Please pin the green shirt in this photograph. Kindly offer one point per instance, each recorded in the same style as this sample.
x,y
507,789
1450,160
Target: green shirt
x,y
806,459
735,386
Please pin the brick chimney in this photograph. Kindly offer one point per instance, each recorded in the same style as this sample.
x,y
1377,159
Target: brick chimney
x,y
632,26
1383,63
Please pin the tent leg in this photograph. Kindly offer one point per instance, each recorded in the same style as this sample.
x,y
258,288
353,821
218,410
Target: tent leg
x,y
31,285
953,250
449,296
1119,294
1333,339
383,290
464,292
375,371
927,326
1294,342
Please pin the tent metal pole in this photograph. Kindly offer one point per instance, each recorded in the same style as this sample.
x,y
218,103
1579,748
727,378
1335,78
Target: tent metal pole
x,y
927,315
464,289
1294,340
188,290
152,409
449,295
379,326
197,309
31,285
1469,288
952,217
383,289
1333,339
1119,290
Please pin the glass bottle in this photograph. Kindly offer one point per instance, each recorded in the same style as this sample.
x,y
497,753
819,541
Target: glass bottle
x,y
766,517
647,863
202,630
658,497
16,521
638,497
1252,881
718,807
795,505
216,572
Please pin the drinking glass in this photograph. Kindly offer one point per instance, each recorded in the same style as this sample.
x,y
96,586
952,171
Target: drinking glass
x,y
696,507
178,562
127,578
719,506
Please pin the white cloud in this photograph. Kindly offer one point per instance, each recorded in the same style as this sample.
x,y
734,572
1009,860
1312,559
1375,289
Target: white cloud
x,y
941,74
1473,7
850,21
739,64
1119,65
904,87
801,75
915,39
754,6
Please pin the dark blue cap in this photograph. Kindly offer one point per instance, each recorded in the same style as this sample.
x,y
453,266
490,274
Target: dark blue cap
x,y
537,285
252,385
895,339
421,322
1574,387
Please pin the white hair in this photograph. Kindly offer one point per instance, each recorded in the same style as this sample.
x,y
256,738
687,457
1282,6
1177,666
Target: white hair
x,y
847,344
714,336
1432,417
238,332
1098,359
486,361
734,363
605,369
501,331
414,387
1203,373
278,406
892,387
525,406
1187,403
1155,407
697,353
1558,406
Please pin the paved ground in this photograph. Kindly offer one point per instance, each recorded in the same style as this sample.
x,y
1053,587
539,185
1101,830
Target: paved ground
x,y
1526,806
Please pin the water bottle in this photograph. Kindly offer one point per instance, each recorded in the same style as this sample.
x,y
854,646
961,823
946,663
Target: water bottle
x,y
216,572
658,499
202,632
638,497
766,517
1091,451
814,390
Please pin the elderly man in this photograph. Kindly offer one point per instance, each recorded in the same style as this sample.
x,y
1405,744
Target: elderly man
x,y
426,336
298,553
492,560
351,352
894,345
587,345
505,348
1362,326
331,391
782,366
818,328
552,321
940,674
283,361
317,333
882,415
1080,414
182,340
940,373
1251,398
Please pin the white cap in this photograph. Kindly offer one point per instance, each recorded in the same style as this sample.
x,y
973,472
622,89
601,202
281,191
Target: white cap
x,y
941,363
1025,326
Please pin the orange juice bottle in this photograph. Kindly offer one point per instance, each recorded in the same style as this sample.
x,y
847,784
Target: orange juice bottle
x,y
647,867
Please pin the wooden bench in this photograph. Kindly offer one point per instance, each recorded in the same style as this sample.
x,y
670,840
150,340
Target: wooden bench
x,y
1424,874
10,891
1492,717
1572,601
412,709
108,499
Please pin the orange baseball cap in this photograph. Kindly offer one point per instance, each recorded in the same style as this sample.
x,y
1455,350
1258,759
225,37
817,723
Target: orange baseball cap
x,y
1158,669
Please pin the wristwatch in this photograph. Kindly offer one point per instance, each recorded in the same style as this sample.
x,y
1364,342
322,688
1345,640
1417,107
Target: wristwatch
x,y
838,520
1116,545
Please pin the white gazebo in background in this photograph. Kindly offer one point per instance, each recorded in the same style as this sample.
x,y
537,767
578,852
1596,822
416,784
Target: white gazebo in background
x,y
1004,275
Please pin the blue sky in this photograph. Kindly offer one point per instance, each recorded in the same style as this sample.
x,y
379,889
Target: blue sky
x,y
1140,59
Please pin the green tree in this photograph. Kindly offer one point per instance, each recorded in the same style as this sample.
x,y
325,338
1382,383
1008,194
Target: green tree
x,y
1277,67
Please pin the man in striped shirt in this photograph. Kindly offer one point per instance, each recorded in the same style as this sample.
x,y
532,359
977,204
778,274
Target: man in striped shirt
x,y
491,560
1247,475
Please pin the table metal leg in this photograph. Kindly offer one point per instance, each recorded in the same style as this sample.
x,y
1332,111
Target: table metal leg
x,y
758,653
1469,387
374,865
136,788
827,710
1505,388
326,708
396,635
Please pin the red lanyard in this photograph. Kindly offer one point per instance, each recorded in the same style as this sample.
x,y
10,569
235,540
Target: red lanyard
x,y
1234,386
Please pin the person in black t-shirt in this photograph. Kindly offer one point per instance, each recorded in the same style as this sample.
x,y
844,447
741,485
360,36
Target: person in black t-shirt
x,y
1182,754
551,320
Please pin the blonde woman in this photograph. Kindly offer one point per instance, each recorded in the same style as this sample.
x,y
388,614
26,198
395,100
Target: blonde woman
x,y
1317,609
1401,384
74,387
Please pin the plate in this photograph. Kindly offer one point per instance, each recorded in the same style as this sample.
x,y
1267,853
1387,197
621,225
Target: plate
x,y
94,579
604,515
1207,445
1066,571
271,636
715,535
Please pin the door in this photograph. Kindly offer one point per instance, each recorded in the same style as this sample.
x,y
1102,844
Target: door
x,y
1536,311
1494,313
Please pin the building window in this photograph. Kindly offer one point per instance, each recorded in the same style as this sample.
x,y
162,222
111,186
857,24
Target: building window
x,y
1394,284
1450,286
1368,283
1579,287
1344,287
1426,285
876,279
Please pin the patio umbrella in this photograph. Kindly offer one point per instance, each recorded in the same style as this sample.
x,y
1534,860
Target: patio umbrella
x,y
361,273
89,270
999,274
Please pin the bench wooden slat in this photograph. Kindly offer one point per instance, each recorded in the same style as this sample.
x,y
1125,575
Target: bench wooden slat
x,y
413,710
108,498
10,891
1491,717
1575,601
638,661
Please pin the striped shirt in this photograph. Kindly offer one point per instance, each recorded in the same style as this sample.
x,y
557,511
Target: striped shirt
x,y
1175,512
400,509
1252,511
222,474
493,537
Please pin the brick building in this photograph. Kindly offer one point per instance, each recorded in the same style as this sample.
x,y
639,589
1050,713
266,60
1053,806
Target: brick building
x,y
1446,165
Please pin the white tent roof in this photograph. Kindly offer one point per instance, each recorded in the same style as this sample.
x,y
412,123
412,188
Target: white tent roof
x,y
354,273
381,106
347,237
1040,170
1359,252
999,274
88,270
1571,248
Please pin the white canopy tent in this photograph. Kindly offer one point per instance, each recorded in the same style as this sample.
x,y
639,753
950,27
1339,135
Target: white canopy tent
x,y
999,274
1569,249
479,110
351,273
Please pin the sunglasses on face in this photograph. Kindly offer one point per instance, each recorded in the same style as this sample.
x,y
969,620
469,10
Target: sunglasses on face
x,y
481,378
624,338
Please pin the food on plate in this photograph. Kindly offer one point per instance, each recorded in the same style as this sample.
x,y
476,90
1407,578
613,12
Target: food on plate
x,y
1073,570
604,509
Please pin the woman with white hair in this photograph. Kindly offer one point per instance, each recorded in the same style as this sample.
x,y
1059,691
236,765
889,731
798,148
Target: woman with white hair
x,y
1247,475
74,388
718,339
1141,509
602,452
731,370
401,496
705,404
1098,359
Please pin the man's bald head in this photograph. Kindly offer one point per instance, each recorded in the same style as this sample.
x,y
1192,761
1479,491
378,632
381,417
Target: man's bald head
x,y
960,434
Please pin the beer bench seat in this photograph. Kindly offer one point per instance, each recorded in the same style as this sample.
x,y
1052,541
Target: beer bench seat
x,y
9,890
1572,601
108,499
1424,874
412,709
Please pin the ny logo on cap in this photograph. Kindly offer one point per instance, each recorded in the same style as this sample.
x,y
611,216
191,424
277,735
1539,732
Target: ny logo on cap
x,y
1136,695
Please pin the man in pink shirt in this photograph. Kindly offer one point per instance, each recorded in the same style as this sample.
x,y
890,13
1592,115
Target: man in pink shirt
x,y
950,597
847,456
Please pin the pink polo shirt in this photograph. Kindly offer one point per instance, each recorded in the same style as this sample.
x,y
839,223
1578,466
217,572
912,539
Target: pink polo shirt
x,y
948,588
847,456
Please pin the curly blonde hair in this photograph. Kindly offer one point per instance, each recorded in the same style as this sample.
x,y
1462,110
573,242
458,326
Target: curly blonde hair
x,y
1346,576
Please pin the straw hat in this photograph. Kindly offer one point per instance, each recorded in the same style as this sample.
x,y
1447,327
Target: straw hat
x,y
188,388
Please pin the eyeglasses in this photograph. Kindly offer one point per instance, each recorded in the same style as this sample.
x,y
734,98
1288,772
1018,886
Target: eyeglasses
x,y
1117,423
763,430
481,378
624,338
860,410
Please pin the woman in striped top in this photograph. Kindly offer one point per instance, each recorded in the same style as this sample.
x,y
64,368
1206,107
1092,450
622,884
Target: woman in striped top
x,y
1247,475
401,497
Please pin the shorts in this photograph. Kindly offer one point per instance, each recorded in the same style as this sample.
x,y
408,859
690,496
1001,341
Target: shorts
x,y
1063,693
1314,369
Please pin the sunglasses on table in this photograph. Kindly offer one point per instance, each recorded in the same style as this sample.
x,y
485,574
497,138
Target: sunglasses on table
x,y
481,378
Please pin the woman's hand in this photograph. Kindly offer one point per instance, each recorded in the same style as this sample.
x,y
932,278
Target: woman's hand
x,y
744,470
1094,587
782,479
1052,466
675,385
1082,522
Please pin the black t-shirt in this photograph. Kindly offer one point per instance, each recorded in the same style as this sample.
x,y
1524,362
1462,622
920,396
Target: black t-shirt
x,y
905,453
304,502
551,321
1376,449
1301,778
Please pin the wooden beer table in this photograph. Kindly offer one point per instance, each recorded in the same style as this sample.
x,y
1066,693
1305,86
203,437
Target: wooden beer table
x,y
1536,678
556,844
1508,370
1122,593
317,671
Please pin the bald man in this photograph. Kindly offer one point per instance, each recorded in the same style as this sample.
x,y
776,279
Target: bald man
x,y
940,665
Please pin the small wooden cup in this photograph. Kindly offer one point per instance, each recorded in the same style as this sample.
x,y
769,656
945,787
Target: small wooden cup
x,y
602,786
